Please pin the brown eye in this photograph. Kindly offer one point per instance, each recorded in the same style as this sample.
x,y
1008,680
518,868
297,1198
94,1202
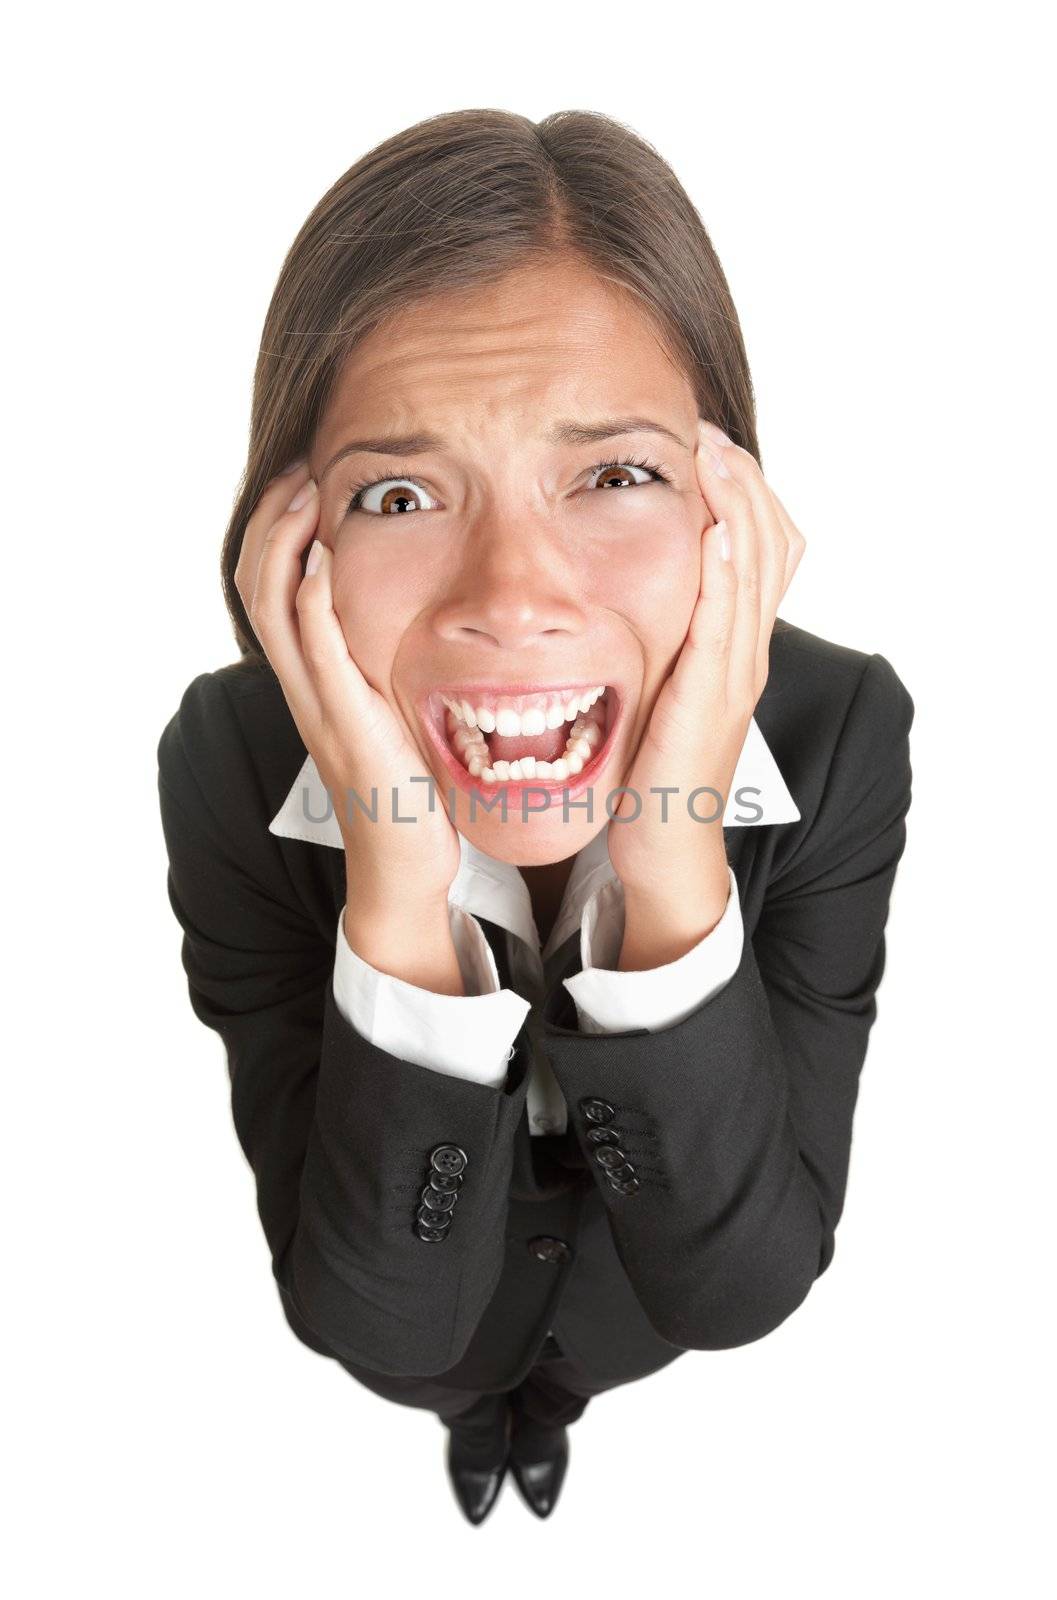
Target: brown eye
x,y
398,501
398,497
617,474
614,477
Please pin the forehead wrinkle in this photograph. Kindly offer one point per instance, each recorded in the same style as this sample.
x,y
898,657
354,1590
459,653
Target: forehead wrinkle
x,y
511,366
526,337
394,381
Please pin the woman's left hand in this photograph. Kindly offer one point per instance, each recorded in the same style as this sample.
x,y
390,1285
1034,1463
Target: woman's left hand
x,y
674,871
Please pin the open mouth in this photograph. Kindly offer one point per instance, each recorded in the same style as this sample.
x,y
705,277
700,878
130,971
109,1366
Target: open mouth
x,y
551,736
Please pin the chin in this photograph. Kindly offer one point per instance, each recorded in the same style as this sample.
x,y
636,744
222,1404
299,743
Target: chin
x,y
537,842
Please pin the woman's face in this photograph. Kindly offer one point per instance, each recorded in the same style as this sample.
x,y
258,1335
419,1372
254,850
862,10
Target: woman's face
x,y
496,560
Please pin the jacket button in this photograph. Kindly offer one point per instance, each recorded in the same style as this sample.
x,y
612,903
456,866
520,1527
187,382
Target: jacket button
x,y
448,1159
610,1155
439,1199
431,1235
597,1110
624,1185
603,1136
433,1219
446,1182
626,1171
546,1248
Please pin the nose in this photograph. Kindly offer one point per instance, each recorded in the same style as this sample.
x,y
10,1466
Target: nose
x,y
512,590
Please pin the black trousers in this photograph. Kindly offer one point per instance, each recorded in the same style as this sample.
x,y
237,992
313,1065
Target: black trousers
x,y
554,1393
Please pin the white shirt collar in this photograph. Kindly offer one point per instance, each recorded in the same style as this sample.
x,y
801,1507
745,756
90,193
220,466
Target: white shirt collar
x,y
496,890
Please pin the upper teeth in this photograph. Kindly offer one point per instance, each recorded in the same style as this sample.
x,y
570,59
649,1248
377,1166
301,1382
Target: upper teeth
x,y
527,713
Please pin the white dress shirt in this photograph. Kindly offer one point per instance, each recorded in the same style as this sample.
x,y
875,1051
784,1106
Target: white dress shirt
x,y
472,1035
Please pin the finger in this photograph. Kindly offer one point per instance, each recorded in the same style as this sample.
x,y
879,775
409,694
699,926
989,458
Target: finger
x,y
350,706
734,506
271,504
773,545
797,544
699,677
273,613
773,548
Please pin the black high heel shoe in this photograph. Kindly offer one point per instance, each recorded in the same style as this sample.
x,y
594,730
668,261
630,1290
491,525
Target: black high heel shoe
x,y
540,1480
476,1487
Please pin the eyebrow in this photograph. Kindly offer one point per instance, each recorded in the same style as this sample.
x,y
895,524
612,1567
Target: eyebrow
x,y
564,432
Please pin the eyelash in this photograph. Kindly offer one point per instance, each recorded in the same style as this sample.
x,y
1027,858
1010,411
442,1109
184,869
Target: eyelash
x,y
660,475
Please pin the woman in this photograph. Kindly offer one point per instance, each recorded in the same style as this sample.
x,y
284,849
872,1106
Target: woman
x,y
532,870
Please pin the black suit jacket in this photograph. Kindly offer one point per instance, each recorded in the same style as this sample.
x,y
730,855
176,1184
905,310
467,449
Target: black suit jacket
x,y
737,1121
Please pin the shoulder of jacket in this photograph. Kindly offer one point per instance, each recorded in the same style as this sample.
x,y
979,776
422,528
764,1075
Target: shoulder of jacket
x,y
836,720
230,746
828,680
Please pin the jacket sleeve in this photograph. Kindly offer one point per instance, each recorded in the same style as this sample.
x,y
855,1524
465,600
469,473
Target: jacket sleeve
x,y
470,1035
342,1137
608,1000
721,1145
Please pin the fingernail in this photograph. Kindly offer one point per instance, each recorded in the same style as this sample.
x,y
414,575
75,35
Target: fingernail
x,y
716,465
724,539
315,556
715,433
293,466
303,495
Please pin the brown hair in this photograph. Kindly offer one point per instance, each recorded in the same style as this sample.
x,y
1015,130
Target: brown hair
x,y
459,200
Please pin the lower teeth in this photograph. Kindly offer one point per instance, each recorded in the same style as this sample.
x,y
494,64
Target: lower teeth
x,y
579,752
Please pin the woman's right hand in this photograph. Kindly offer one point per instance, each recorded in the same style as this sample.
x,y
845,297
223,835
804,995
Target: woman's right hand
x,y
357,741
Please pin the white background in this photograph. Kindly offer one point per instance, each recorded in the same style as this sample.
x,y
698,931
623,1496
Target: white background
x,y
876,185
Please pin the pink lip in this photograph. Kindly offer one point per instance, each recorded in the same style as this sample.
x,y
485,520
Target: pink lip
x,y
575,786
470,691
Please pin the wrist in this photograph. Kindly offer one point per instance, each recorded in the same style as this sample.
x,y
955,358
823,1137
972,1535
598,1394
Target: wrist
x,y
409,941
660,927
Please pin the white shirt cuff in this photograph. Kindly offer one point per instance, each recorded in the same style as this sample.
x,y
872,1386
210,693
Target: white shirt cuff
x,y
608,1001
466,1036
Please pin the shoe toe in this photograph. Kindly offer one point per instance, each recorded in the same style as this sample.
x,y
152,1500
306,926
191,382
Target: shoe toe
x,y
476,1488
540,1481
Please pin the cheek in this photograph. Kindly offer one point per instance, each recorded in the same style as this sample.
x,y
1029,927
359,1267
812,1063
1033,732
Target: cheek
x,y
653,581
368,600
